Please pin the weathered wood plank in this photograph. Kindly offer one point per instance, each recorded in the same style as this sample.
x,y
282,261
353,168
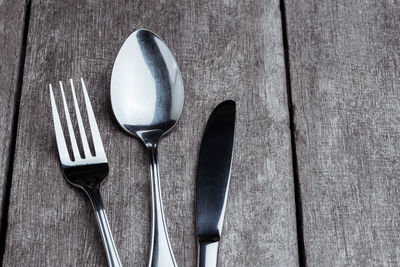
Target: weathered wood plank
x,y
345,75
12,15
225,50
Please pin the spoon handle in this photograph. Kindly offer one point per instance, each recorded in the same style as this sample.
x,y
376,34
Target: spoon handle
x,y
160,250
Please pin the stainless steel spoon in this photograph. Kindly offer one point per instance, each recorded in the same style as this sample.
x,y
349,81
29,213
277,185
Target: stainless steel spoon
x,y
147,100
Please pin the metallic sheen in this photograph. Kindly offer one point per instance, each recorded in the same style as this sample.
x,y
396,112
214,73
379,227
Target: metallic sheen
x,y
213,175
89,171
147,101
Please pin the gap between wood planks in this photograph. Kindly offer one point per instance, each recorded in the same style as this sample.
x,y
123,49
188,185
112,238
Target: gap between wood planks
x,y
21,64
297,191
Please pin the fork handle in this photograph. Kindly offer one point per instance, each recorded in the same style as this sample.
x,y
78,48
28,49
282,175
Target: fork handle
x,y
104,226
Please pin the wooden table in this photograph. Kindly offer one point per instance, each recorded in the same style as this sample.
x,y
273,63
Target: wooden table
x,y
315,178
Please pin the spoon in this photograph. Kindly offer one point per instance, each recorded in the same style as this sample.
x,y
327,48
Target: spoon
x,y
147,101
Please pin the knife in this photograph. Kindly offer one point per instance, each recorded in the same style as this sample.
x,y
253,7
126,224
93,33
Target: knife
x,y
213,174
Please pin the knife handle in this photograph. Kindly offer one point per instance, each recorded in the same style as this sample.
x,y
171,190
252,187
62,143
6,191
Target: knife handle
x,y
207,254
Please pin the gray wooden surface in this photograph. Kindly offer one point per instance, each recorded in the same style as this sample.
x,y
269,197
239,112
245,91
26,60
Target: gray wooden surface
x,y
11,28
345,77
343,65
229,49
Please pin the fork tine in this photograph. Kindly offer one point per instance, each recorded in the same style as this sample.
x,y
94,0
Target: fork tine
x,y
74,145
97,143
82,133
61,145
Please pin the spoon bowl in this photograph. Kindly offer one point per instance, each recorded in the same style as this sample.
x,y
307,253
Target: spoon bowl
x,y
147,101
146,87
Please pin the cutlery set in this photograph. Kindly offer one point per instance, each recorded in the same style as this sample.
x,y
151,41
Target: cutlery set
x,y
147,100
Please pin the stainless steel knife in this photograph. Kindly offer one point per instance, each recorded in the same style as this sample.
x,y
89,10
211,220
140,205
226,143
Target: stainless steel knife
x,y
213,174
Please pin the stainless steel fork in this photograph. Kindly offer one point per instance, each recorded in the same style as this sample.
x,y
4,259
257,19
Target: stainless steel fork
x,y
88,172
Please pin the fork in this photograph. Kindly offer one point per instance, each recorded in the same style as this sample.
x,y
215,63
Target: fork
x,y
88,172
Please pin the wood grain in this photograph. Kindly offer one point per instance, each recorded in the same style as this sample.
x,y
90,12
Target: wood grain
x,y
12,15
345,76
226,50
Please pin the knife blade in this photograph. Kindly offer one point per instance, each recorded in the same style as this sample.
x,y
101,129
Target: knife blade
x,y
213,175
